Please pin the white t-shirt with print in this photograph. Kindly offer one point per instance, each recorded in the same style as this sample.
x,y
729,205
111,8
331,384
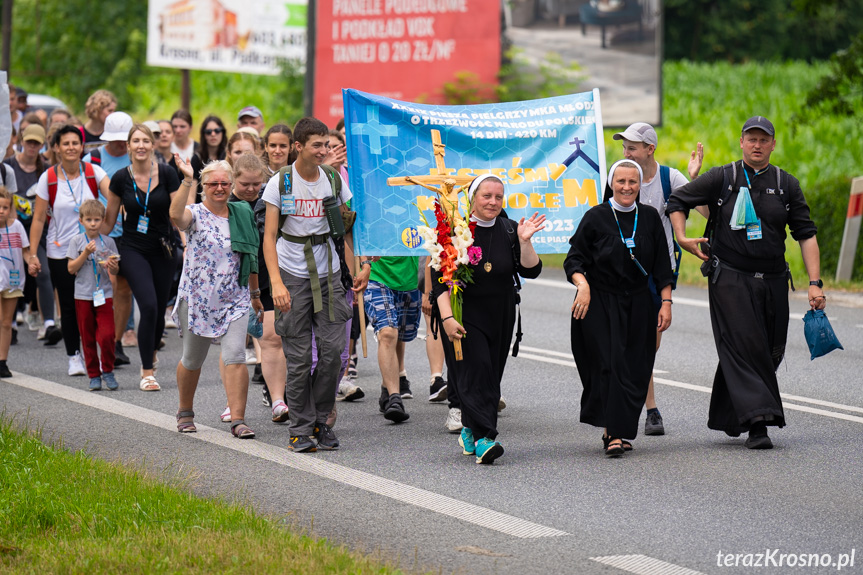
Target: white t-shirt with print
x,y
651,194
64,219
310,219
13,238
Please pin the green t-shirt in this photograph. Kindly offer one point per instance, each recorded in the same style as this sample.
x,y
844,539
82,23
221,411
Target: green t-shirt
x,y
396,272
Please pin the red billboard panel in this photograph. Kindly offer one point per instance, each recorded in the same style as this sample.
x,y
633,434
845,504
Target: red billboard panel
x,y
401,49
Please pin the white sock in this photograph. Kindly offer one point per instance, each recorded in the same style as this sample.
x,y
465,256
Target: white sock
x,y
48,323
403,373
435,375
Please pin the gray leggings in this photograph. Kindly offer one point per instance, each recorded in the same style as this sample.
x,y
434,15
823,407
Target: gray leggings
x,y
196,347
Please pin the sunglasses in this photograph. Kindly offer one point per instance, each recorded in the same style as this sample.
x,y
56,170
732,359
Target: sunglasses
x,y
218,184
214,131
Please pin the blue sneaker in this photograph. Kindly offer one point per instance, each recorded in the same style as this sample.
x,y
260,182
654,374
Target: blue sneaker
x,y
487,450
467,442
95,384
110,381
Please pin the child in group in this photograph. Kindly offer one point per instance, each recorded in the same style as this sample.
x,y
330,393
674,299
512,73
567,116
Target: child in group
x,y
92,256
14,251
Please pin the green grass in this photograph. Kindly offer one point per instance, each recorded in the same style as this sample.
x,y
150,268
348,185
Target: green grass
x,y
63,512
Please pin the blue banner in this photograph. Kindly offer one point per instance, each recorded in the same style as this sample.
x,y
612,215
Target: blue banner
x,y
549,153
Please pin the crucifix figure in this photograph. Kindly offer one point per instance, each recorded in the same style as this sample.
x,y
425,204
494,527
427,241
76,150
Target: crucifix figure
x,y
578,153
447,187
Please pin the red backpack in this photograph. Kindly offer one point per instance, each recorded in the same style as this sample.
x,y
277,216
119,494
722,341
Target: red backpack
x,y
89,175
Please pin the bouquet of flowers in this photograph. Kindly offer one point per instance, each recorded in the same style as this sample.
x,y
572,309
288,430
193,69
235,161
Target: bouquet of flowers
x,y
450,244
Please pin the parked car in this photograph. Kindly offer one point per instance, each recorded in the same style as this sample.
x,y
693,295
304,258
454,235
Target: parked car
x,y
43,102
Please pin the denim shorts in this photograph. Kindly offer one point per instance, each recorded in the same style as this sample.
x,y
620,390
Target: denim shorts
x,y
390,308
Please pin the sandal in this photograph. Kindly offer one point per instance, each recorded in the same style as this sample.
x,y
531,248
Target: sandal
x,y
615,447
149,383
226,415
186,426
240,430
627,446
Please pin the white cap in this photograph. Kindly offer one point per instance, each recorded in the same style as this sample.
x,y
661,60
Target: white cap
x,y
117,126
638,132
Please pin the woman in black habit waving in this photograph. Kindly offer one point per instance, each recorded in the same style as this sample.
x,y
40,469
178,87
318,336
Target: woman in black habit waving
x,y
488,314
614,320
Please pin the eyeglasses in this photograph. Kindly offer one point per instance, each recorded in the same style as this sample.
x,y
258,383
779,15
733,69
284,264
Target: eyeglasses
x,y
218,184
213,131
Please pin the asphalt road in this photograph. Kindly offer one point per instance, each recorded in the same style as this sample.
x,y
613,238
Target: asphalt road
x,y
680,503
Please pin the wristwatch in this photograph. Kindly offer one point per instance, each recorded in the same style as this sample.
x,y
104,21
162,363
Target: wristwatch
x,y
817,283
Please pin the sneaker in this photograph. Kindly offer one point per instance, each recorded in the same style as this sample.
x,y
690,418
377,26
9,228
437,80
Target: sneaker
x,y
120,357
265,396
14,340
32,320
453,420
437,390
395,409
467,442
501,404
653,424
251,358
352,367
76,366
52,335
258,376
110,381
4,371
41,334
226,415
325,437
280,412
383,399
169,322
405,388
487,450
19,317
302,444
95,383
348,391
129,339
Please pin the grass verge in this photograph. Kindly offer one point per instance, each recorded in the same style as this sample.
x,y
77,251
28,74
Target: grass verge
x,y
63,512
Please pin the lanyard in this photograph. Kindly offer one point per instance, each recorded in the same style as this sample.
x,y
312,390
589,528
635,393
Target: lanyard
x,y
135,186
96,271
9,245
71,192
754,173
631,239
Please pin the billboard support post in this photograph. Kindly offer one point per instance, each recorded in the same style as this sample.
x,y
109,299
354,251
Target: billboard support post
x,y
186,90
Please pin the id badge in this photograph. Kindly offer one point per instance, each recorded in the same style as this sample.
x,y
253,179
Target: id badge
x,y
630,243
289,207
98,297
143,224
14,278
753,231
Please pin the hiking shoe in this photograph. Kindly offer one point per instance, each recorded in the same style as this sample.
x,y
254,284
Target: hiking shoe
x,y
437,390
325,437
52,335
501,404
265,396
395,409
467,442
758,441
348,391
405,388
280,412
383,399
487,450
302,444
120,357
453,420
76,366
258,376
4,371
95,384
110,381
653,424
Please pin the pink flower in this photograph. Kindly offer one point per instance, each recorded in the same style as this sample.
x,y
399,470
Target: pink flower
x,y
474,254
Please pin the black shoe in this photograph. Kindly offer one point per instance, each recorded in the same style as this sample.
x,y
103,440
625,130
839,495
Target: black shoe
x,y
437,391
382,401
325,437
258,375
405,388
266,399
758,438
120,357
395,409
302,444
13,341
53,335
653,424
4,371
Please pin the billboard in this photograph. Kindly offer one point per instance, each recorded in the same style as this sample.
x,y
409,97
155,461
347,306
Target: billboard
x,y
549,153
402,49
226,35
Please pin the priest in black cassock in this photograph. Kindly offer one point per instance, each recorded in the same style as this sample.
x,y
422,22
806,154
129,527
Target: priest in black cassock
x,y
617,245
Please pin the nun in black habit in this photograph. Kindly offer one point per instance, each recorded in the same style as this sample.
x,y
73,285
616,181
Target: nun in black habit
x,y
614,322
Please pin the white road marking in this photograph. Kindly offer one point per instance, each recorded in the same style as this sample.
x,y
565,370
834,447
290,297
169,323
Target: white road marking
x,y
431,501
644,565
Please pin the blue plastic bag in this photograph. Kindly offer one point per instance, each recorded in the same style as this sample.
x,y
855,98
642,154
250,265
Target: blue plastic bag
x,y
255,327
819,334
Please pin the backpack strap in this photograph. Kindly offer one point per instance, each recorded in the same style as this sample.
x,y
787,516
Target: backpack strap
x,y
96,157
729,178
90,176
512,234
665,180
